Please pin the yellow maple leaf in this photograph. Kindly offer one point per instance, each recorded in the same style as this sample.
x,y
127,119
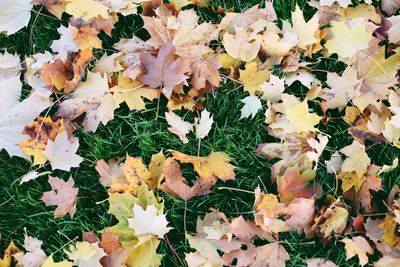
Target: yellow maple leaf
x,y
132,93
336,220
299,116
253,78
86,9
306,31
348,37
216,165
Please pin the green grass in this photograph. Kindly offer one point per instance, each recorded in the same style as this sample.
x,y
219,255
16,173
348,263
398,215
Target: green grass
x,y
140,134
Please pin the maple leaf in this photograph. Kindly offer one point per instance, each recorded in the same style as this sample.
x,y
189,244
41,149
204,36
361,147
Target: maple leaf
x,y
148,221
294,184
252,78
205,73
357,159
335,221
65,76
86,37
40,132
252,105
15,115
292,150
207,249
63,195
14,15
93,98
273,89
299,214
182,31
209,168
85,254
178,126
86,9
306,31
389,226
203,124
35,256
10,66
240,46
377,73
302,120
8,257
164,71
268,210
133,93
61,152
349,37
343,88
130,58
358,246
176,185
273,254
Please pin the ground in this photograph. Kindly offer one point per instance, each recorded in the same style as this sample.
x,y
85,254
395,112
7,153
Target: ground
x,y
141,134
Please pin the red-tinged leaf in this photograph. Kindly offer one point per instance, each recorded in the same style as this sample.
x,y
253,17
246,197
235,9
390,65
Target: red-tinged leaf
x,y
176,185
295,185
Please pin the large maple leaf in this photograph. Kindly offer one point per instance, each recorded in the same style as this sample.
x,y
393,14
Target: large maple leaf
x,y
164,71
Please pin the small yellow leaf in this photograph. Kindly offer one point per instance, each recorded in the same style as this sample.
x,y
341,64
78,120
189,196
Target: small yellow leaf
x,y
252,78
299,116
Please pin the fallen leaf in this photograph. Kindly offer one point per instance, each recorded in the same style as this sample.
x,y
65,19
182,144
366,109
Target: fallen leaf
x,y
358,246
209,168
348,37
61,152
176,185
164,71
272,255
178,126
252,78
63,195
93,98
203,124
252,105
148,221
85,254
14,15
302,120
86,9
294,184
133,93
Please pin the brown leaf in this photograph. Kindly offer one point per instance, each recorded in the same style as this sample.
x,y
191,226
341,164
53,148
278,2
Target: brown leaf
x,y
164,71
63,195
65,76
176,185
110,242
